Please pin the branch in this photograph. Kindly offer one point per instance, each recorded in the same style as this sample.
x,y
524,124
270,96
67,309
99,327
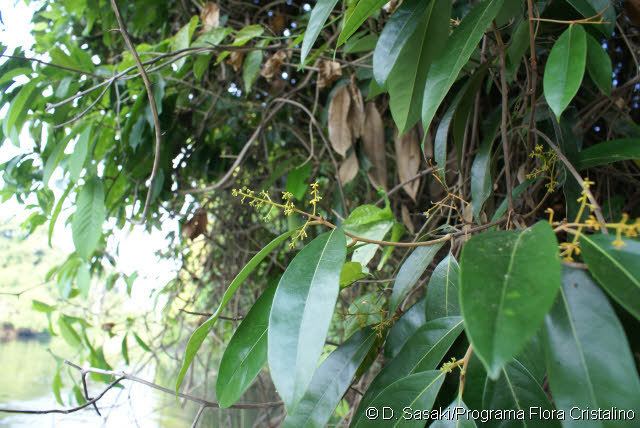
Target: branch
x,y
152,105
503,123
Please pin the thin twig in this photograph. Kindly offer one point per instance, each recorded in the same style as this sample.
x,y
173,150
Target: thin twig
x,y
534,73
152,105
503,123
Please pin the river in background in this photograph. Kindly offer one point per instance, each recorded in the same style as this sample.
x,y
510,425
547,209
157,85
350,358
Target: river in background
x,y
25,383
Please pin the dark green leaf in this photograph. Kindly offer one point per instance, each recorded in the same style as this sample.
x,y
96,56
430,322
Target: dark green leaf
x,y
297,181
609,152
508,282
442,291
88,218
423,351
456,407
199,334
617,269
404,328
516,389
357,15
481,184
588,357
301,314
417,391
79,155
251,69
406,81
599,65
319,15
410,272
444,71
565,68
141,343
591,8
246,353
331,381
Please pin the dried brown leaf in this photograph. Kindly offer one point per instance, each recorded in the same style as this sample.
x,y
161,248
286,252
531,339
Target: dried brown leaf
x,y
272,66
329,72
196,225
348,168
632,9
356,110
373,146
210,16
339,130
235,60
408,161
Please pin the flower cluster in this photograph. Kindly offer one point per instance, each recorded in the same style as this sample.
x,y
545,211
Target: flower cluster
x,y
547,167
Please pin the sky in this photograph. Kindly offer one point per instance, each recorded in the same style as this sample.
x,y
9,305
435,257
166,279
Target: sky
x,y
135,247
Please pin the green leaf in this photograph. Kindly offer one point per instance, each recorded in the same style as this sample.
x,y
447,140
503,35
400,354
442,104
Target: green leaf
x,y
609,152
56,212
124,349
199,334
457,407
297,181
301,314
590,8
406,81
351,272
356,16
397,230
251,69
442,291
417,391
248,33
508,282
423,351
517,389
404,328
396,32
410,272
370,222
18,109
319,15
481,183
599,65
39,306
54,158
87,221
68,333
246,353
589,361
56,386
182,39
331,381
515,194
363,311
565,68
616,269
444,71
141,342
79,155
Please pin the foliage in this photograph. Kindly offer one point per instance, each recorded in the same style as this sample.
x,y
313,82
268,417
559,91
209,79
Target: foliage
x,y
457,183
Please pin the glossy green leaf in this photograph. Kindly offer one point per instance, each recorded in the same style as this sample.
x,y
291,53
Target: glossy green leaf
x,y
301,313
351,272
591,8
199,334
508,282
356,16
564,70
456,407
87,221
599,65
417,391
319,15
365,310
442,291
330,381
516,389
404,328
246,353
406,81
368,221
397,230
589,361
17,113
609,152
298,181
617,269
396,32
445,70
441,139
423,351
410,272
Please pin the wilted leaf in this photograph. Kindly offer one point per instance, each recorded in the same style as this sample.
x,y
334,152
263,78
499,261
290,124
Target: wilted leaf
x,y
329,72
235,60
356,117
339,130
272,67
373,145
196,225
348,168
408,161
210,16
